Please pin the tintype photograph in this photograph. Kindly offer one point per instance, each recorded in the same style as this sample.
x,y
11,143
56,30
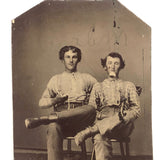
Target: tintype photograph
x,y
81,82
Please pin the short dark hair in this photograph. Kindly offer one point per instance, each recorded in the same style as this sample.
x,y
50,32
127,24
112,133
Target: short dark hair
x,y
66,49
113,54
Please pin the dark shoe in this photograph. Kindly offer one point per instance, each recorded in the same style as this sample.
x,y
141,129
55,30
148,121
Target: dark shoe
x,y
35,122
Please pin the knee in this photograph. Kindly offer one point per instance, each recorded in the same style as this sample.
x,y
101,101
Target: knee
x,y
91,109
128,130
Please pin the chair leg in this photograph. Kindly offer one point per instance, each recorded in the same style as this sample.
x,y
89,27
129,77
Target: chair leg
x,y
93,154
122,150
127,151
69,147
84,153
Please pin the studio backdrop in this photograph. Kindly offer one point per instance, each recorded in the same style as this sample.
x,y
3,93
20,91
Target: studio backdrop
x,y
97,28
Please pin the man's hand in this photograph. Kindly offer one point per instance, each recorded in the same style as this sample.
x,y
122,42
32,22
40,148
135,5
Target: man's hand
x,y
121,117
59,99
122,112
45,103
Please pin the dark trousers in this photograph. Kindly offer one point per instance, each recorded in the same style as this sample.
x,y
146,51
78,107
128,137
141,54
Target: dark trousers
x,y
70,122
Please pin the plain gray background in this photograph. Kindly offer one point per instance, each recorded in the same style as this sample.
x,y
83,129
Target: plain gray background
x,y
37,37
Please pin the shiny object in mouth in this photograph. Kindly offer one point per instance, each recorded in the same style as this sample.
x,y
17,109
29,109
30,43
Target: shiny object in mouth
x,y
112,74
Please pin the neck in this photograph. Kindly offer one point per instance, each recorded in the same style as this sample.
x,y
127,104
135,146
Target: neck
x,y
112,78
70,71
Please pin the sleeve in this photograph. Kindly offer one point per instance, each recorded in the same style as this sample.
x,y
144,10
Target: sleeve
x,y
94,95
134,105
50,89
90,82
47,96
48,93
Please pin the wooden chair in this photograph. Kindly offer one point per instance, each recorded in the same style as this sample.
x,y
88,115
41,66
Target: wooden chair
x,y
83,148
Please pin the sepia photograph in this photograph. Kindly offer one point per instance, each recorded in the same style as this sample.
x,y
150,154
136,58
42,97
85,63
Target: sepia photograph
x,y
81,76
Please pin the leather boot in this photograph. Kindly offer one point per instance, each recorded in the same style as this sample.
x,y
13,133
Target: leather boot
x,y
84,134
35,122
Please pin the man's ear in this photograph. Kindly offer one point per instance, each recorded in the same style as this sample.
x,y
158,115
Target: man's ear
x,y
105,68
119,69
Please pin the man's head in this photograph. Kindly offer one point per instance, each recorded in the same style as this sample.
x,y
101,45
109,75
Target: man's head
x,y
70,56
113,63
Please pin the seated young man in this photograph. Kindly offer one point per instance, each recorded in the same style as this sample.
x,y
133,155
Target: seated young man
x,y
68,93
108,98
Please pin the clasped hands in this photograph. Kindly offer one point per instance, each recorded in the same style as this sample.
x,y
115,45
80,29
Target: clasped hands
x,y
59,99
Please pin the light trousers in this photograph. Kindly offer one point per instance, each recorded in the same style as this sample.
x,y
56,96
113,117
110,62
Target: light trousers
x,y
102,144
